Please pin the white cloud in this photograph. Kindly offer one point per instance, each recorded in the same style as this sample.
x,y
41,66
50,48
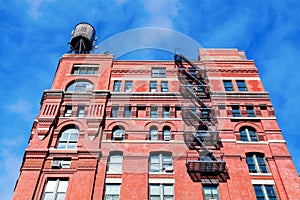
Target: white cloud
x,y
34,11
23,108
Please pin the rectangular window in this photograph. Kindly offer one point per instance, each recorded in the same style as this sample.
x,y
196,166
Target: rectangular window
x,y
61,163
115,111
128,86
256,163
161,191
80,111
85,70
153,86
55,189
127,111
154,112
112,192
166,112
161,162
250,111
228,85
117,86
211,192
265,192
68,111
115,163
159,72
241,85
164,86
236,111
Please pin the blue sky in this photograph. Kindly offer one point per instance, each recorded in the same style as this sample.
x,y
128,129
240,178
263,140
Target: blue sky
x,y
34,35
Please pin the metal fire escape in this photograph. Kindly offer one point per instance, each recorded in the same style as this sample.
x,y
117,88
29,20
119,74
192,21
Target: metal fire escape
x,y
200,132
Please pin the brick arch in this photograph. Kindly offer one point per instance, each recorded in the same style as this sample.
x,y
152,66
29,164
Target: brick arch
x,y
239,125
149,124
117,123
76,79
81,126
170,124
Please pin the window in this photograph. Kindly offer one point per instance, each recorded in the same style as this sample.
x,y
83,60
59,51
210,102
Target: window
x,y
161,162
85,70
115,162
68,139
166,133
248,134
153,86
154,112
204,113
164,86
211,192
80,86
112,192
250,111
263,192
55,189
153,133
61,163
128,86
241,85
117,86
118,133
228,85
256,163
166,112
236,111
80,111
115,111
68,111
127,111
158,72
161,191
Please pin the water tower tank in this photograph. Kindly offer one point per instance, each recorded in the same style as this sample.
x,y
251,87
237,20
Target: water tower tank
x,y
82,38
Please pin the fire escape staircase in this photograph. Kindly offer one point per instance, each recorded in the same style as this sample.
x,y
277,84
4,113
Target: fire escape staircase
x,y
200,132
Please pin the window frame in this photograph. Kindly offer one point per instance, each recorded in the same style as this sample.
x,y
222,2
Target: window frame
x,y
160,161
68,141
56,190
118,129
250,111
128,86
117,86
212,192
236,112
166,133
68,111
166,111
110,195
249,134
241,84
127,111
228,86
80,111
80,86
153,133
264,192
82,69
164,86
158,72
115,163
114,111
153,86
161,191
154,112
256,163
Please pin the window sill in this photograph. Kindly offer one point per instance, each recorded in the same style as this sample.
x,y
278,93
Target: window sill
x,y
260,174
250,142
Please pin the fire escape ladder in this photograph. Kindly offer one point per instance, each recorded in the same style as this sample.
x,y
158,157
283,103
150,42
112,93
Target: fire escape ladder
x,y
199,119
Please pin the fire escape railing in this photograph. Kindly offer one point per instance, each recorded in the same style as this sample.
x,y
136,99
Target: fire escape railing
x,y
199,119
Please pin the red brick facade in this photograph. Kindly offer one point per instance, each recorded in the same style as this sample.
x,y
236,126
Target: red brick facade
x,y
135,106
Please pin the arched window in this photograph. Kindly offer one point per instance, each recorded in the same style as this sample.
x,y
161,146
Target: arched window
x,y
167,133
115,162
256,163
80,86
68,139
153,133
248,134
118,133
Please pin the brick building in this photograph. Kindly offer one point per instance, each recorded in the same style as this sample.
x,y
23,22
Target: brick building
x,y
181,129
